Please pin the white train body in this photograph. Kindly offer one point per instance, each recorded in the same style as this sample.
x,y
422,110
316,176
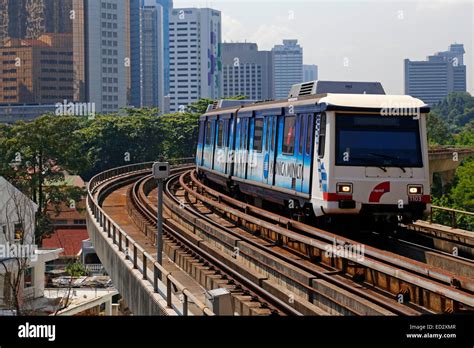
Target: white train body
x,y
332,153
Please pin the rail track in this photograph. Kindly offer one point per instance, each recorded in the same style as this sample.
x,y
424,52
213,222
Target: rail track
x,y
283,266
144,214
418,286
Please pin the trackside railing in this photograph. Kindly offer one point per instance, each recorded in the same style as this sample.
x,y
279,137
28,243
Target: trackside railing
x,y
163,281
441,213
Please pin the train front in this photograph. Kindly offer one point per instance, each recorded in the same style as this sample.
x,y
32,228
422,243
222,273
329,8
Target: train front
x,y
376,166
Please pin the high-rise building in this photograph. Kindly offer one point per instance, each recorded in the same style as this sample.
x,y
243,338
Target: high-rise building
x,y
101,34
247,71
152,56
136,8
310,72
147,64
195,56
433,79
37,71
287,67
29,19
167,6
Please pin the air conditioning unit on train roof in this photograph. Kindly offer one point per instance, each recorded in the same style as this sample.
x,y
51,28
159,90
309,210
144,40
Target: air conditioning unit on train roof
x,y
341,87
227,103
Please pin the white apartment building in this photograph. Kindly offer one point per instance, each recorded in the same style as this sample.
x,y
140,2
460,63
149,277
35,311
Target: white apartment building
x,y
287,67
195,56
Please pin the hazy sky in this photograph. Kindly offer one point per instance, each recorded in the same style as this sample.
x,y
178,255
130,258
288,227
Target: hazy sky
x,y
373,37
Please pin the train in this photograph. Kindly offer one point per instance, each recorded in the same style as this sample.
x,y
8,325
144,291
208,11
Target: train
x,y
332,151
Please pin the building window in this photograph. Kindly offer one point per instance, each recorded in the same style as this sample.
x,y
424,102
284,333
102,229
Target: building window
x,y
18,232
28,278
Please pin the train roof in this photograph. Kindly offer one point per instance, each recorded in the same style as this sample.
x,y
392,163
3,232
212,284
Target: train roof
x,y
328,101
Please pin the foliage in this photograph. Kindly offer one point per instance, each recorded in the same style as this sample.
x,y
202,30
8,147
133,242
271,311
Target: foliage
x,y
76,270
438,133
456,110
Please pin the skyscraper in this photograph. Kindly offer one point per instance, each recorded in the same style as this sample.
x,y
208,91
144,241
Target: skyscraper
x,y
37,71
29,19
310,73
433,79
167,7
195,56
247,71
287,67
147,63
152,65
37,51
102,52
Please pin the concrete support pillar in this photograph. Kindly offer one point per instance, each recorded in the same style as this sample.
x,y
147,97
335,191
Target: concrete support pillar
x,y
446,178
108,307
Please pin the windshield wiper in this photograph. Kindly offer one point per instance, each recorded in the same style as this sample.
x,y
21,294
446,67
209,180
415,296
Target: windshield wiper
x,y
365,159
390,157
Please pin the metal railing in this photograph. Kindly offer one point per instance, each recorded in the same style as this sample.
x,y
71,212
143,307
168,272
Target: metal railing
x,y
452,212
142,261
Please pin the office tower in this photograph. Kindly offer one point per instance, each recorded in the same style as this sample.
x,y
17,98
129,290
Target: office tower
x,y
433,79
195,56
287,67
102,52
167,6
29,19
246,71
136,8
152,55
37,71
147,64
310,73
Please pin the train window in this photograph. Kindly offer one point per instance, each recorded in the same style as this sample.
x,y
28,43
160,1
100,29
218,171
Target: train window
x,y
225,132
220,133
302,120
273,132
208,133
258,135
322,135
243,133
289,136
201,131
267,138
309,134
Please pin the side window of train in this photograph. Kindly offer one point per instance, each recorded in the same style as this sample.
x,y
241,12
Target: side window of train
x,y
289,135
273,126
309,134
258,135
201,131
208,132
322,135
226,132
220,133
302,122
243,133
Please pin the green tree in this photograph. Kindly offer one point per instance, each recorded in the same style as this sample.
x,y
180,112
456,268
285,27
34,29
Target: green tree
x,y
438,133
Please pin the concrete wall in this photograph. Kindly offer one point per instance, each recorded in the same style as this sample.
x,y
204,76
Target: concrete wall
x,y
138,293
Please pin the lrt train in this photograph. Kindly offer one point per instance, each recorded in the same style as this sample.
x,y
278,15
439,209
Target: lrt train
x,y
331,150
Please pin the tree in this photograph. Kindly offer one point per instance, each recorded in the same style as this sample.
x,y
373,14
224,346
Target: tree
x,y
17,212
438,133
35,155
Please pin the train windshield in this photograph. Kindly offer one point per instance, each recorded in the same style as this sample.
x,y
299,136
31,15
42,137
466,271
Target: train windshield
x,y
377,141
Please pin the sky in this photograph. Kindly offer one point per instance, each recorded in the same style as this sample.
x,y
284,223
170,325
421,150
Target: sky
x,y
352,40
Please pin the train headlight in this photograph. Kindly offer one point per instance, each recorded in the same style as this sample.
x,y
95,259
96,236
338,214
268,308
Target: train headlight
x,y
344,188
415,189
